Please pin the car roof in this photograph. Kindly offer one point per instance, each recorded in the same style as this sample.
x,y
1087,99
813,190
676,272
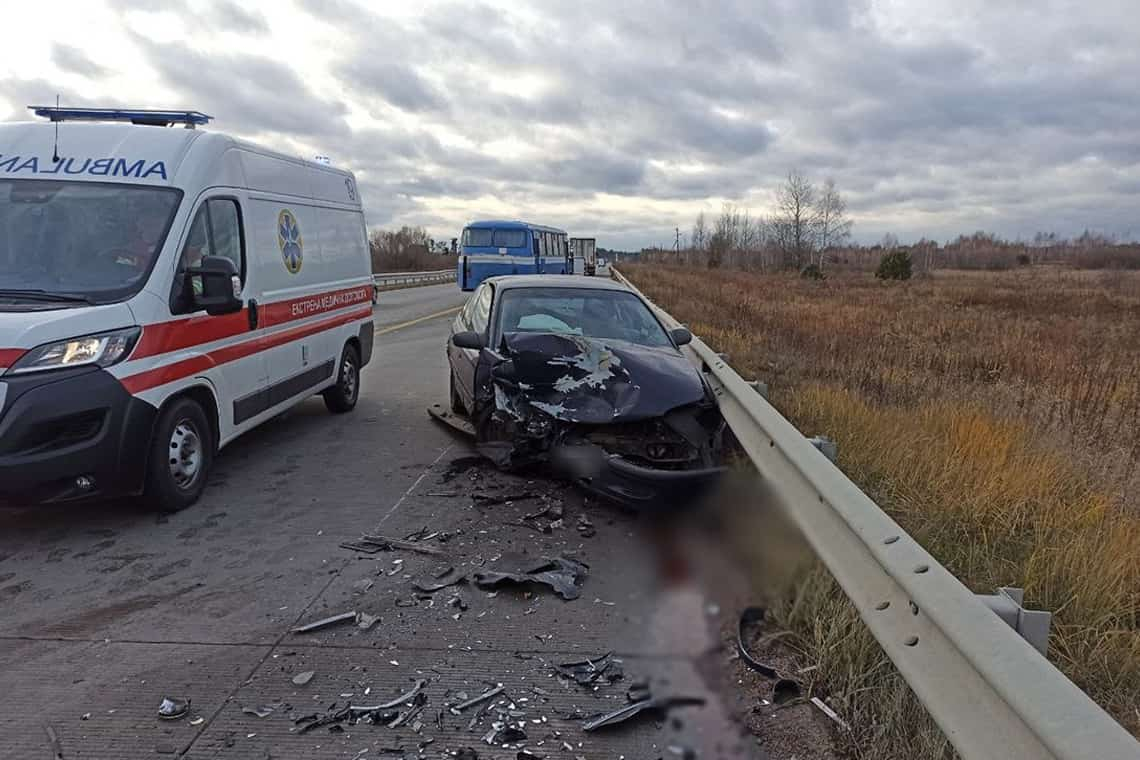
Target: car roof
x,y
570,282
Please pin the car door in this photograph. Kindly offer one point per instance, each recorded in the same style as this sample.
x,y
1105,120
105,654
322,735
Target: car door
x,y
231,341
465,359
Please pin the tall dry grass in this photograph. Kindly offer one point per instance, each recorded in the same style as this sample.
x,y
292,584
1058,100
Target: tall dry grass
x,y
994,416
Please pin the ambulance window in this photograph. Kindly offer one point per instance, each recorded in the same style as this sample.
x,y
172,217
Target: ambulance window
x,y
216,231
225,225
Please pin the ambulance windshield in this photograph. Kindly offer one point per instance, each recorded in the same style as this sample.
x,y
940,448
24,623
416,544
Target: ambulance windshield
x,y
80,241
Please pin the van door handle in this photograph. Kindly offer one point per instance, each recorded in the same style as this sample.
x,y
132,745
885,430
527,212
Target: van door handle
x,y
252,314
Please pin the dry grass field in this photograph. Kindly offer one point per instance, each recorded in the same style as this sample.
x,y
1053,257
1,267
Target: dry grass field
x,y
994,415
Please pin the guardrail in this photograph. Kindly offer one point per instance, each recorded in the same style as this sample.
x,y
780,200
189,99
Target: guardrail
x,y
992,693
386,279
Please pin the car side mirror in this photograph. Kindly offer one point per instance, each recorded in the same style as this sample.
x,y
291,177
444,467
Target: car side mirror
x,y
469,339
221,286
681,336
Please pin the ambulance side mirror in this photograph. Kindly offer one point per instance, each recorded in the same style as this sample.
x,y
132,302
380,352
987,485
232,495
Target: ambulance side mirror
x,y
221,286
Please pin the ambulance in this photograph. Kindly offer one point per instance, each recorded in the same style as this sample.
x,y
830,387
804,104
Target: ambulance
x,y
164,289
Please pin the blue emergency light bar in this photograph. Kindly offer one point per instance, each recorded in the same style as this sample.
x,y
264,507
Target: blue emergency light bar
x,y
134,116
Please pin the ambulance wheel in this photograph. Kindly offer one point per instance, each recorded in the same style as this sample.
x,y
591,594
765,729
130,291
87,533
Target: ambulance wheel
x,y
180,457
456,401
341,397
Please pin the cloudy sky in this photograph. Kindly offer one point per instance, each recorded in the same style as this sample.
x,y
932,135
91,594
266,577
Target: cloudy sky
x,y
624,119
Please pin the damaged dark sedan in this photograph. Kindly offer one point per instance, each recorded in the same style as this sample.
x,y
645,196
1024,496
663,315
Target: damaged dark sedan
x,y
580,374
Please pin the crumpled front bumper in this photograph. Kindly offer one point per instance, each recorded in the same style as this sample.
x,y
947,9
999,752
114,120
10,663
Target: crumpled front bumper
x,y
642,488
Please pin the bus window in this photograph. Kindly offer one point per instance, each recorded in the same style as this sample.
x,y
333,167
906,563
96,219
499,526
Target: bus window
x,y
510,238
475,236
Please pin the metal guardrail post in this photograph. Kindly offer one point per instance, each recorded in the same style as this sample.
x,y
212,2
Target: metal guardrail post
x,y
991,693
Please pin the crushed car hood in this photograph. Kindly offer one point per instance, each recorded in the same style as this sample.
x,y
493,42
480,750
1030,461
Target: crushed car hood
x,y
595,381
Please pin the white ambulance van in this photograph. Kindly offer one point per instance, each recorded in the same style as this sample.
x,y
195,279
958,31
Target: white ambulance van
x,y
162,291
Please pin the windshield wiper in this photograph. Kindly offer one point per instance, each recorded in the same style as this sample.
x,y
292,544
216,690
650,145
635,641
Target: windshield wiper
x,y
34,294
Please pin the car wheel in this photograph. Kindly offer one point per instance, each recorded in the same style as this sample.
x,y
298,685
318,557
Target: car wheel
x,y
341,397
456,400
181,453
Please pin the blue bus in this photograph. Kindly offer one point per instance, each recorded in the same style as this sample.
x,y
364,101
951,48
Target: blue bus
x,y
495,247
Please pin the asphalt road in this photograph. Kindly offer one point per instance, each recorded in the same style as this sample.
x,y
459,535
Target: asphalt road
x,y
105,609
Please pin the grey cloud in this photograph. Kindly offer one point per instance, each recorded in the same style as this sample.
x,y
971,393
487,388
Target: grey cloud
x,y
397,83
245,93
74,61
969,115
230,16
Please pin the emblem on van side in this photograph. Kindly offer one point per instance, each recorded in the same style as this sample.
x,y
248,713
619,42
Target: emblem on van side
x,y
289,240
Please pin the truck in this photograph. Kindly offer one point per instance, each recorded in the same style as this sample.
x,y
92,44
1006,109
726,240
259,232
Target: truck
x,y
587,250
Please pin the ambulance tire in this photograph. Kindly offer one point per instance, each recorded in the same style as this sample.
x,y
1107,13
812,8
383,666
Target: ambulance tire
x,y
456,402
181,453
341,396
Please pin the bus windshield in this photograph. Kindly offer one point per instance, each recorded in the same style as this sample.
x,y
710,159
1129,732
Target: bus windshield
x,y
93,242
510,238
477,236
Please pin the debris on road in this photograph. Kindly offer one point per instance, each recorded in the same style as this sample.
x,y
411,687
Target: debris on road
x,y
586,528
751,616
466,753
482,500
454,421
262,711
830,713
403,698
418,704
589,672
440,579
562,574
631,711
303,678
508,735
173,709
364,621
525,754
456,709
344,617
387,544
53,740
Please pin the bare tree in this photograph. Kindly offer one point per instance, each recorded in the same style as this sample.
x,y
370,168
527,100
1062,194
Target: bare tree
x,y
832,225
792,225
698,239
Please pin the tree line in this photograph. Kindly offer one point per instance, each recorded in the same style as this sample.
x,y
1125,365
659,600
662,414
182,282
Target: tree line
x,y
808,221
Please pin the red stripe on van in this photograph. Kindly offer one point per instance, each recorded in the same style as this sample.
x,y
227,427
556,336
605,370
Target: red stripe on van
x,y
9,356
171,372
178,334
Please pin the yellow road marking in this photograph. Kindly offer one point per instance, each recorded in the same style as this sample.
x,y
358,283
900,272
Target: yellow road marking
x,y
416,321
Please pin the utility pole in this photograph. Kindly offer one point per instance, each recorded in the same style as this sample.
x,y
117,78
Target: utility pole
x,y
677,240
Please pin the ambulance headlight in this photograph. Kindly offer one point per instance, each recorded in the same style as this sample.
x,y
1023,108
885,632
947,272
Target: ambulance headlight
x,y
102,349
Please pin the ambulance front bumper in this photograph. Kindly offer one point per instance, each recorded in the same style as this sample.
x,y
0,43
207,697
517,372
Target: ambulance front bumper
x,y
70,435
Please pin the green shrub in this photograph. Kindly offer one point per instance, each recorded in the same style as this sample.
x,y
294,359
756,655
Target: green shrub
x,y
895,266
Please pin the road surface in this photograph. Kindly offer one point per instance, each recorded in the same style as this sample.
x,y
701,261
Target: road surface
x,y
108,609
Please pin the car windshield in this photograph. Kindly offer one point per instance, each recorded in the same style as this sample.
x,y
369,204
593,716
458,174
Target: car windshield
x,y
476,236
612,314
89,241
